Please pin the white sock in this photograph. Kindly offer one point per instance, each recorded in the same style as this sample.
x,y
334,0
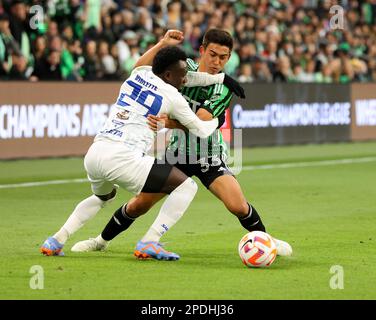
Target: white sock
x,y
172,210
101,241
83,212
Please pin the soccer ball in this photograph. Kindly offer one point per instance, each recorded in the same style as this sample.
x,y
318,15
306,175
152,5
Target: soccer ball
x,y
257,249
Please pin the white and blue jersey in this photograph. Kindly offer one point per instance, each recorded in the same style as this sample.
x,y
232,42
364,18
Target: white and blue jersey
x,y
144,93
119,152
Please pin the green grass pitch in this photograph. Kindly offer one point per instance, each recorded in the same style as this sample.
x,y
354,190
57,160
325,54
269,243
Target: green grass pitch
x,y
326,212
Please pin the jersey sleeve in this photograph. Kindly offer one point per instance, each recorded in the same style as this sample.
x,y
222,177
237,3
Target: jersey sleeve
x,y
219,100
183,113
139,69
191,65
203,79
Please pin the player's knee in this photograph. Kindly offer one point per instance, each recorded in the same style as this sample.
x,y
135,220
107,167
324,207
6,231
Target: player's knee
x,y
190,186
193,185
107,198
138,208
240,210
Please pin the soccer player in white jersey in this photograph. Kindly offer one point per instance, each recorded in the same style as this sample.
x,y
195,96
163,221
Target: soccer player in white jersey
x,y
118,155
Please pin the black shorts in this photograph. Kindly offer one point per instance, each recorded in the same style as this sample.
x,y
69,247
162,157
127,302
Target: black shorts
x,y
206,170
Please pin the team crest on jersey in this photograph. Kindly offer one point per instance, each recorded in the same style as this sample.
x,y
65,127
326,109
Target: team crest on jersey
x,y
215,97
123,115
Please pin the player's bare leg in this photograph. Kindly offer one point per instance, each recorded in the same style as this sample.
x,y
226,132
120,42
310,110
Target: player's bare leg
x,y
143,202
228,190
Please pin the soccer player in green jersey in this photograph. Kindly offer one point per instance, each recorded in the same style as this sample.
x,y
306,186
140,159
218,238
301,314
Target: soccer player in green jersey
x,y
208,164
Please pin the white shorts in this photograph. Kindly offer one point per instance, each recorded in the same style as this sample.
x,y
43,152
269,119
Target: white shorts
x,y
108,163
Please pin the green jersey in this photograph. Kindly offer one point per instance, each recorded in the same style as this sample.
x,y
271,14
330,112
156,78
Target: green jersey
x,y
215,99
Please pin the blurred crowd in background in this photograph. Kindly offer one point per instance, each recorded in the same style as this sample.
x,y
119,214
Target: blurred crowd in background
x,y
275,41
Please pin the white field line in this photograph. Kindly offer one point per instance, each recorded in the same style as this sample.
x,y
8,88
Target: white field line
x,y
309,164
247,168
41,183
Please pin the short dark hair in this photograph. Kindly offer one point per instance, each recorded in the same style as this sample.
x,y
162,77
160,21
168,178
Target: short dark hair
x,y
167,57
4,17
15,2
218,36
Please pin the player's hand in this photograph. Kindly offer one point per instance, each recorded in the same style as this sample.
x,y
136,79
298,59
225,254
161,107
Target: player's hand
x,y
234,86
173,37
162,121
156,123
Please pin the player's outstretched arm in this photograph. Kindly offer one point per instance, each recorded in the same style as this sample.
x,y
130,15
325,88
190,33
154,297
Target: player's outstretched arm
x,y
156,123
171,38
199,128
183,113
202,129
203,79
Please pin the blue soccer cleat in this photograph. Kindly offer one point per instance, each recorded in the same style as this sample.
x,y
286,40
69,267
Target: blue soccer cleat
x,y
153,249
51,247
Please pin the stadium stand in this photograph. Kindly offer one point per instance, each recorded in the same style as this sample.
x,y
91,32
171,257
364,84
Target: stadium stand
x,y
275,41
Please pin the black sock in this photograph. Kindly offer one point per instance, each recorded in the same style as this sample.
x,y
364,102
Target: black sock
x,y
252,222
118,223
